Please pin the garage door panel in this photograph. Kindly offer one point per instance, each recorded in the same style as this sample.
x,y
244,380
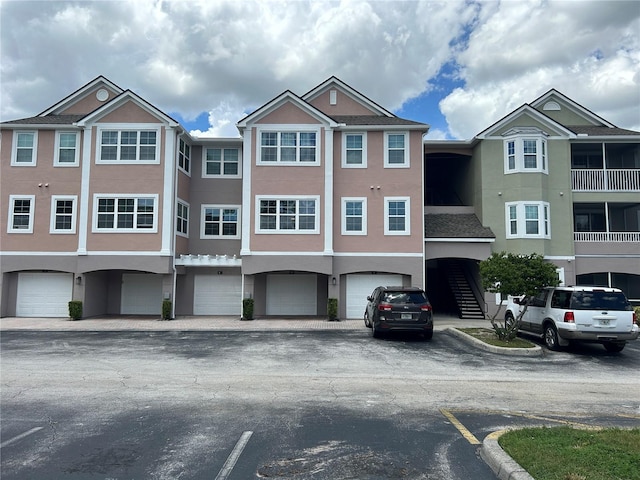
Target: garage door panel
x,y
359,286
141,294
44,294
217,295
292,294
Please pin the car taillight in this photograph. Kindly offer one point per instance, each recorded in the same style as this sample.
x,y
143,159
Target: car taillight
x,y
384,307
569,318
635,319
426,308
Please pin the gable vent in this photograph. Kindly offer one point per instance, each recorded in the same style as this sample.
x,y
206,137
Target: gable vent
x,y
551,106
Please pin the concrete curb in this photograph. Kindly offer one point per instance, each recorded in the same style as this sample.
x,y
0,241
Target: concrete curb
x,y
520,352
505,467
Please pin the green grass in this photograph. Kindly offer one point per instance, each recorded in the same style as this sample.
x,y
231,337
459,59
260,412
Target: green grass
x,y
489,336
566,453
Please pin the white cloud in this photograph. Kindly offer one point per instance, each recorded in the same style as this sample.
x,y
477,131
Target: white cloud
x,y
588,50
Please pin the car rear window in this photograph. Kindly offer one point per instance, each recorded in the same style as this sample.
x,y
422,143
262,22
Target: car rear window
x,y
405,297
599,300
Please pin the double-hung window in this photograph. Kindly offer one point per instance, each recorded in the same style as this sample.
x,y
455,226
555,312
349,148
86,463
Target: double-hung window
x,y
21,211
288,147
396,150
354,150
287,215
397,216
184,156
67,149
63,214
128,146
125,213
527,220
354,216
182,218
220,221
25,148
221,162
525,150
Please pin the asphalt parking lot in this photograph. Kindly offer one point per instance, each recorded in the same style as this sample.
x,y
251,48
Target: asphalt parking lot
x,y
299,404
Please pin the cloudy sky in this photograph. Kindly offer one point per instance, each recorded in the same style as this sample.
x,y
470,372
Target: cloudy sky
x,y
456,65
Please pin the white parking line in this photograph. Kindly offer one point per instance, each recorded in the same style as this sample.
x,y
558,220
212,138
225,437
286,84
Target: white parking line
x,y
18,437
234,455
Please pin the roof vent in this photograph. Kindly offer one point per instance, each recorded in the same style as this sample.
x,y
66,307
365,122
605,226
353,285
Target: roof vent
x,y
551,106
102,94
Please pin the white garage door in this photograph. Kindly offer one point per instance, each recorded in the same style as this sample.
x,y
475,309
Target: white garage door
x,y
292,294
141,294
44,294
359,286
217,295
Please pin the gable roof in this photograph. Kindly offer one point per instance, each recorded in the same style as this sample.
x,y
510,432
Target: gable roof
x,y
575,107
335,82
286,97
527,110
80,93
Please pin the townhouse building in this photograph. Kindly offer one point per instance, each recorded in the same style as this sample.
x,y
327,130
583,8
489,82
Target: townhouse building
x,y
108,200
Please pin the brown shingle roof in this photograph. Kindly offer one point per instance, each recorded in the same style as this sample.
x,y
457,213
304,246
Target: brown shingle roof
x,y
46,120
601,131
455,225
373,120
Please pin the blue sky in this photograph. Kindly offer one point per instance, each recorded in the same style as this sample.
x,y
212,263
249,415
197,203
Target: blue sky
x,y
457,65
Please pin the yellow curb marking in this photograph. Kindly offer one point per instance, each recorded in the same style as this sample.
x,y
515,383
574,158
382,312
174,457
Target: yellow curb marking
x,y
461,428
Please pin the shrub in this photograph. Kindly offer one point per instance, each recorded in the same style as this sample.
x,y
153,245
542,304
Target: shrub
x,y
75,309
247,309
166,309
332,309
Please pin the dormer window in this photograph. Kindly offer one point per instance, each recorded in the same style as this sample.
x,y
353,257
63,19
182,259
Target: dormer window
x,y
525,150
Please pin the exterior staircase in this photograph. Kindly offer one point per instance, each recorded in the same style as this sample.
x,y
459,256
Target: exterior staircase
x,y
468,305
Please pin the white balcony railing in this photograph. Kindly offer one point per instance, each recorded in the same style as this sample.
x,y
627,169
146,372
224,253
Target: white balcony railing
x,y
606,237
599,180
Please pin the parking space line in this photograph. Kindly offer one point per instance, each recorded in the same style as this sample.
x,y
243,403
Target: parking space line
x,y
461,428
19,437
234,455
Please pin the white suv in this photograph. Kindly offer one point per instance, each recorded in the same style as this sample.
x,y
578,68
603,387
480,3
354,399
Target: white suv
x,y
589,314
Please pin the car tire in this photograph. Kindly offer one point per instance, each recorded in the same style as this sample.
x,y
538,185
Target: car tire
x,y
375,333
551,337
614,347
367,322
428,335
508,319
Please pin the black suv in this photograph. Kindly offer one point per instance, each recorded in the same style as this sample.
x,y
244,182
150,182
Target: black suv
x,y
399,309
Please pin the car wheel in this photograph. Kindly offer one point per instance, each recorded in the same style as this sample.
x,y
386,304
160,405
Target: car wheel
x,y
367,322
508,320
614,347
375,333
551,337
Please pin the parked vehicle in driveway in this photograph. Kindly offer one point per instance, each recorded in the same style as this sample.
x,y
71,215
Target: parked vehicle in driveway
x,y
588,314
392,309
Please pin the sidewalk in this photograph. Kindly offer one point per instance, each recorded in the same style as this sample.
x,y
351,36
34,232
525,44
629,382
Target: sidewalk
x,y
152,323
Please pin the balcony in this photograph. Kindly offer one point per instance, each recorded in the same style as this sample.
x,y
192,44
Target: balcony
x,y
607,237
610,180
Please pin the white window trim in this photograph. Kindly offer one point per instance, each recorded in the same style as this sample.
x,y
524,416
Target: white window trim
x,y
137,127
32,208
315,198
56,154
221,174
188,207
544,220
542,153
407,155
407,223
344,150
344,215
14,149
288,129
185,170
156,213
52,226
221,237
